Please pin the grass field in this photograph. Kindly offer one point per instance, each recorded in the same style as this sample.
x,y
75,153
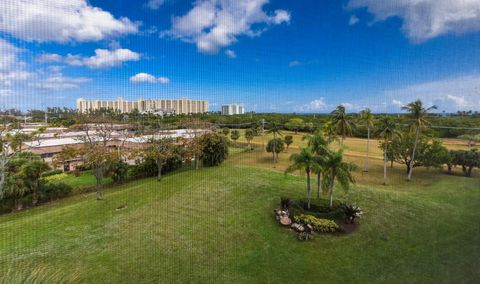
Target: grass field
x,y
216,225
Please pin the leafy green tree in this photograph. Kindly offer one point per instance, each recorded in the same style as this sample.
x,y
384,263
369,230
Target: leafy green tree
x,y
304,160
100,159
418,114
387,131
226,131
276,129
288,140
159,150
235,135
214,149
249,135
319,145
31,172
368,119
275,146
337,169
295,124
342,124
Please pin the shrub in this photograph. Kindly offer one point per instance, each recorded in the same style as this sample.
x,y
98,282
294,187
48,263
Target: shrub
x,y
319,225
52,173
284,203
352,212
54,190
214,149
120,172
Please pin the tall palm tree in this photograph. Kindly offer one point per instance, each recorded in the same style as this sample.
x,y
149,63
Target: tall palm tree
x,y
276,129
367,117
341,122
337,169
387,130
318,144
304,160
418,114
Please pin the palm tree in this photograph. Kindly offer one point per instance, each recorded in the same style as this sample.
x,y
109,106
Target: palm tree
x,y
367,117
387,130
304,160
341,122
318,144
276,129
337,169
249,135
418,113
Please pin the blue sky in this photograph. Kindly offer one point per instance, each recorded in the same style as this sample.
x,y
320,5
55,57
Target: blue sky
x,y
271,56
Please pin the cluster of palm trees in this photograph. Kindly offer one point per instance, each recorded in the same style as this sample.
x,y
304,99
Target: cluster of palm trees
x,y
318,158
385,128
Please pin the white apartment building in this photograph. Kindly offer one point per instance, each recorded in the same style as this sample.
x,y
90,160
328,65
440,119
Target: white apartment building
x,y
232,109
181,106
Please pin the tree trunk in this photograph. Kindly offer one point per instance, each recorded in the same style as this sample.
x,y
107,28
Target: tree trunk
x,y
99,193
18,205
35,194
309,191
332,180
319,177
159,167
368,150
385,166
410,170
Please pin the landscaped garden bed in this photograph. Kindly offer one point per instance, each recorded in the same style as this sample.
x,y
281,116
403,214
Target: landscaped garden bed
x,y
318,218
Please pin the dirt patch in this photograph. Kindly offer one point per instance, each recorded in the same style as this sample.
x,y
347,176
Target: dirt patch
x,y
350,228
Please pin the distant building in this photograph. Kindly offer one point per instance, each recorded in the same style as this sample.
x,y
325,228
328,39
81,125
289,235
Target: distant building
x,y
160,111
181,106
232,109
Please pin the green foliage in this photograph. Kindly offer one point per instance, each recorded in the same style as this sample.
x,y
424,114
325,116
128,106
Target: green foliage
x,y
468,160
226,131
319,225
235,135
214,149
295,124
276,146
54,190
52,173
288,140
119,172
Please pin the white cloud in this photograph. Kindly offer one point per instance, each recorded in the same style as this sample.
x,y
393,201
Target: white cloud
x,y
294,63
60,21
57,82
49,58
353,20
460,93
6,93
426,19
12,68
214,24
315,105
147,78
103,58
230,53
154,4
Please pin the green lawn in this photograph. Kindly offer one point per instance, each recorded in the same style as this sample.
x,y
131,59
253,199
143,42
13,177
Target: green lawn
x,y
217,225
84,181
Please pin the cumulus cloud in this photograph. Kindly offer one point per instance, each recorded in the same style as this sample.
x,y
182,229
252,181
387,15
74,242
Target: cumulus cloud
x,y
214,24
102,59
147,78
60,21
230,53
154,4
426,19
12,68
353,20
450,94
315,105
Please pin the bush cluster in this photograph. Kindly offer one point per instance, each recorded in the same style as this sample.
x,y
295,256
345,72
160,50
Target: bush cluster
x,y
319,225
52,173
